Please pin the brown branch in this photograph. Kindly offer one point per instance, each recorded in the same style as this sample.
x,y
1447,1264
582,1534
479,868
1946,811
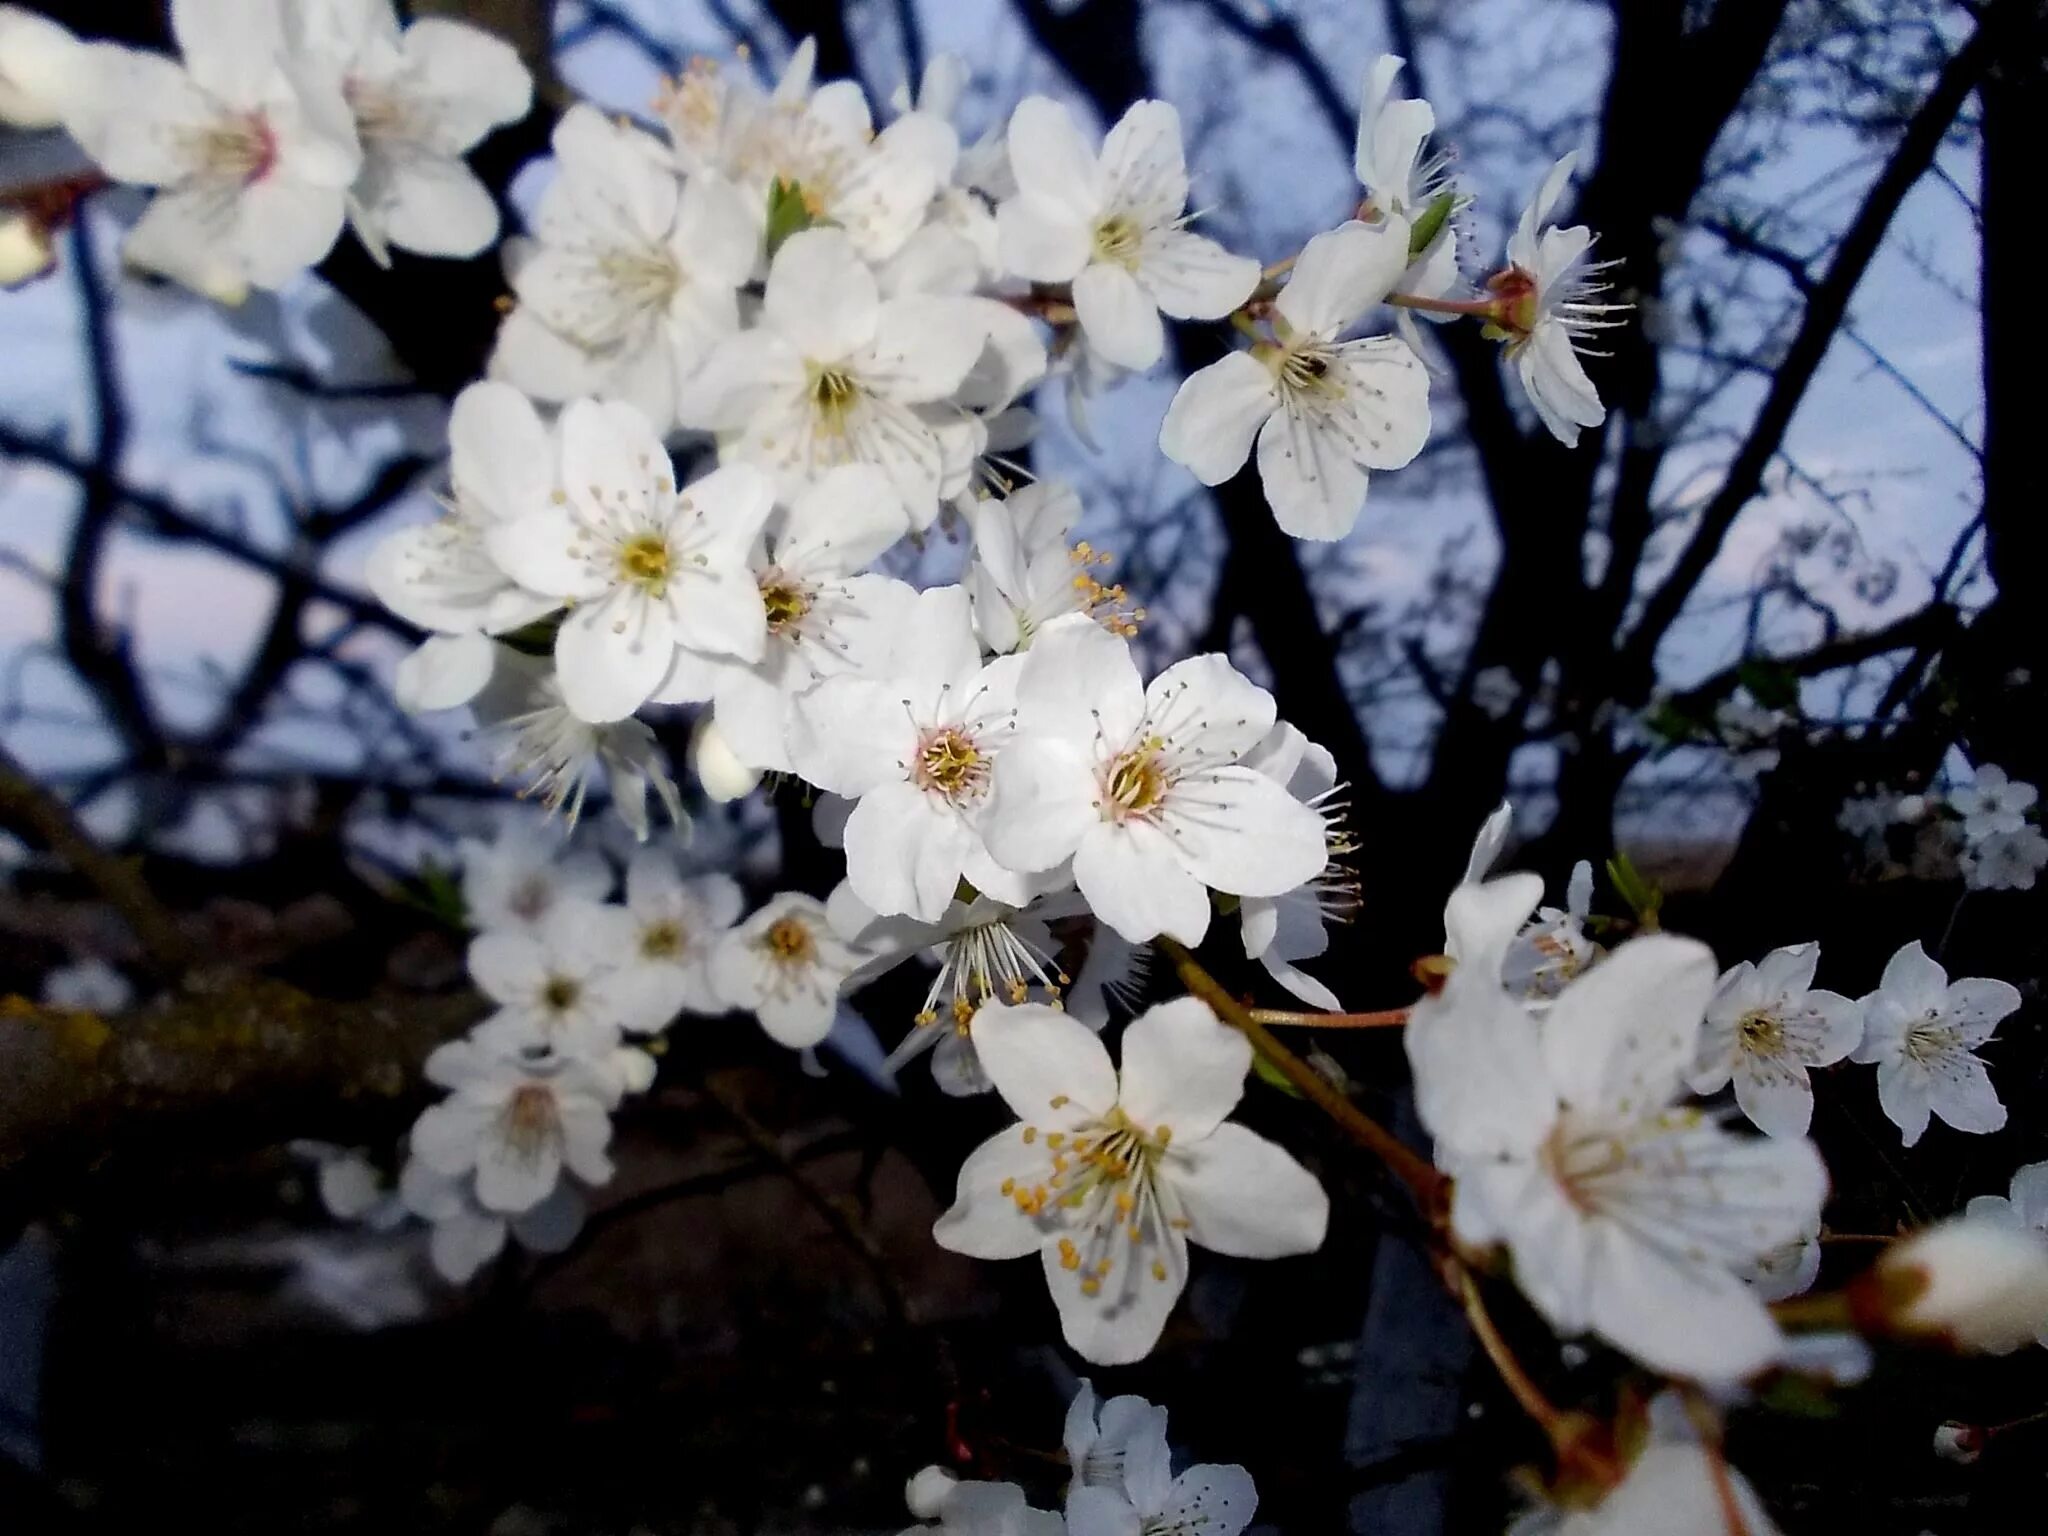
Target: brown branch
x,y
1827,307
247,1055
25,804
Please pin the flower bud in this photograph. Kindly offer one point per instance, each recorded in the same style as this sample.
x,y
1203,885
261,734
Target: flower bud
x,y
1969,1283
25,250
926,1492
1958,1442
723,775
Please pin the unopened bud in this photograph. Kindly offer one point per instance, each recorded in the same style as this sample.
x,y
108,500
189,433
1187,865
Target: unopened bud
x,y
723,775
1969,1282
1958,1442
926,1493
25,250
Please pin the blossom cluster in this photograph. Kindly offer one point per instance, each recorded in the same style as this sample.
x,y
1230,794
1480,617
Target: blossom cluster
x,y
280,122
1988,829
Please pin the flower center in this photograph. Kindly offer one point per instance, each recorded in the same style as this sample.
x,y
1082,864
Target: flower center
x,y
789,942
239,147
644,562
1104,1184
1135,783
1304,368
531,1122
1760,1033
1515,304
1117,240
1930,1040
662,940
948,761
834,392
786,600
648,277
560,993
985,962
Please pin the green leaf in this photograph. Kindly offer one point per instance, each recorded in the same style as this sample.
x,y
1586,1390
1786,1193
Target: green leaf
x,y
1771,683
1425,229
1272,1076
1637,890
787,214
1672,721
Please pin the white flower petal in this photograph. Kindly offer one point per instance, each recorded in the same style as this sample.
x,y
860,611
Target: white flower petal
x,y
1216,413
1182,1067
1119,316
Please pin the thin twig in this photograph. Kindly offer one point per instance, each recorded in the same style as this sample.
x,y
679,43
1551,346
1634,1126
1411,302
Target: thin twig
x,y
25,803
1385,1018
1423,1181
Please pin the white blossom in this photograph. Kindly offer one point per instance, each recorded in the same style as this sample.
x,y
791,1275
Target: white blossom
x,y
678,922
834,373
38,62
442,575
1676,1486
1921,1032
252,155
1280,931
2005,861
1116,1443
985,952
556,983
1402,178
421,98
1626,1215
786,966
516,880
1553,947
516,1124
631,277
1323,410
1109,1177
1216,1500
1141,787
554,749
825,616
1113,226
915,746
466,1235
1555,308
1993,803
1767,1027
1025,574
645,567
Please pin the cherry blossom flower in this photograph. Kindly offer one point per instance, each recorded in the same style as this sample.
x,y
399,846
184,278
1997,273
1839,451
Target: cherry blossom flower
x,y
1323,410
1279,931
517,1124
1766,1028
973,1508
2005,861
1551,307
89,984
720,773
1025,574
631,278
557,983
1921,1031
915,747
467,1235
516,881
1402,179
1976,1282
421,98
646,567
253,159
2024,1206
1142,787
677,922
1552,947
786,966
1109,1177
441,575
825,618
554,749
1113,226
1992,803
834,374
986,952
1217,1500
1113,1444
1626,1216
